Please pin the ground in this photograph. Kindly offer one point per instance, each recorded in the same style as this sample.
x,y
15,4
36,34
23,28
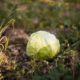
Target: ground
x,y
16,65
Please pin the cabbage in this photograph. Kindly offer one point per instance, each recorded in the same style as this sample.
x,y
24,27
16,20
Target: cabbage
x,y
43,45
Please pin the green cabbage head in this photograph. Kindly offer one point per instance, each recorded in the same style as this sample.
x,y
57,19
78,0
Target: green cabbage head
x,y
43,45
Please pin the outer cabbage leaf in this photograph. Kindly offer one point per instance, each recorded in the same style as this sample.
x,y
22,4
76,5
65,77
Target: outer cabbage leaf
x,y
43,45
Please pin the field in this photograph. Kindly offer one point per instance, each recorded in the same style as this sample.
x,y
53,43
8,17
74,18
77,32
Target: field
x,y
19,19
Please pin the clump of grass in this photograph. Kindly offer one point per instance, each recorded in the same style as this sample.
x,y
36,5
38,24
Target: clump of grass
x,y
4,39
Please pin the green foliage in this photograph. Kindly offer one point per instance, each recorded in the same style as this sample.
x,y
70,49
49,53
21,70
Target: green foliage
x,y
73,1
35,15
